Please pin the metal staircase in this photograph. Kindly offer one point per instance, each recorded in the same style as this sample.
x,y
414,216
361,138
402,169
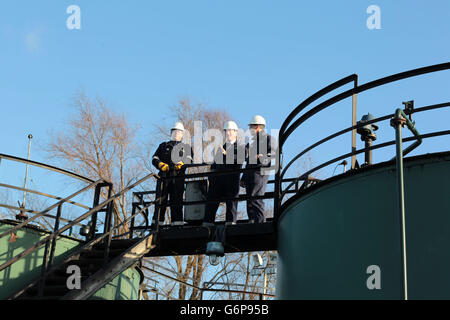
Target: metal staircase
x,y
95,272
99,258
89,261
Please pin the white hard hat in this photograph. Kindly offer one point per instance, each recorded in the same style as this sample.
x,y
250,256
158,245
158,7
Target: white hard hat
x,y
258,120
178,126
230,125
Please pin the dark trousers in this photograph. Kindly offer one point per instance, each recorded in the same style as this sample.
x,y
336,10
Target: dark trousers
x,y
255,185
226,186
171,190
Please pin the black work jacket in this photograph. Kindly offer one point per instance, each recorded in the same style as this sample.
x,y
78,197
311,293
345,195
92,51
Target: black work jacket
x,y
164,154
256,147
234,159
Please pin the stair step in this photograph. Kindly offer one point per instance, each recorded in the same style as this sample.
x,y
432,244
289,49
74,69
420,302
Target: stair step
x,y
117,244
95,253
87,267
60,280
90,261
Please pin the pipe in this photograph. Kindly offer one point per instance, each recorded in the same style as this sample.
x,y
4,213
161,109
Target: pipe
x,y
398,122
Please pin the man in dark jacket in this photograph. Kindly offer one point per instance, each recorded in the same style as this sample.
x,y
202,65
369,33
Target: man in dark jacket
x,y
259,156
170,159
230,156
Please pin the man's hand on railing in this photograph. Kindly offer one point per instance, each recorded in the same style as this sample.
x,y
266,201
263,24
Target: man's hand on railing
x,y
179,165
163,166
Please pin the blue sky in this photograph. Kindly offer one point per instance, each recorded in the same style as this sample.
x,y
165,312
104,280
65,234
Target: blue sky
x,y
249,57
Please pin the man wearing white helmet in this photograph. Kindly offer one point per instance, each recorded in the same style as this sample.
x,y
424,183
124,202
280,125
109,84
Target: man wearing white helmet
x,y
255,182
230,156
170,159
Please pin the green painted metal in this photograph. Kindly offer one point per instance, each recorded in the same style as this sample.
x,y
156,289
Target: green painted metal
x,y
28,268
331,235
124,287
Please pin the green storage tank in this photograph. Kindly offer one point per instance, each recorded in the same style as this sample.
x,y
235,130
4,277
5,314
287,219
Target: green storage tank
x,y
124,287
341,239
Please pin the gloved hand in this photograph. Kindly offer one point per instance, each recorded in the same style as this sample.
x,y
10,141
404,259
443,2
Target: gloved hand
x,y
163,166
179,165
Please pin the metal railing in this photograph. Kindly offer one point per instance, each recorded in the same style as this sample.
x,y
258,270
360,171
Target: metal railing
x,y
207,286
49,241
363,150
93,239
164,178
289,126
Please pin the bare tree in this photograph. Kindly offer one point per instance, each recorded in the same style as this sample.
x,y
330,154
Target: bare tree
x,y
98,143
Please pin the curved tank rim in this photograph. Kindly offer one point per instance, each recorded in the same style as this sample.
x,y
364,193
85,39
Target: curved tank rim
x,y
36,228
350,173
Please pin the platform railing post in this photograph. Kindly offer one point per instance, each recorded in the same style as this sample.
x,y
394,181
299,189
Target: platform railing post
x,y
354,106
108,224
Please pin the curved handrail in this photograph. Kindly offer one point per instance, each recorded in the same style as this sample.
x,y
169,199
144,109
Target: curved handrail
x,y
351,78
42,194
45,166
286,129
284,133
35,212
85,246
53,206
69,225
334,135
378,146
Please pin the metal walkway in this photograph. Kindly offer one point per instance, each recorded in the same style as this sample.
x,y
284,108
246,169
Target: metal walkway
x,y
188,240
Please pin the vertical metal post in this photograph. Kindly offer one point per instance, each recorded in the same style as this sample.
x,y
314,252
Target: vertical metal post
x,y
354,98
160,185
52,250
397,122
133,211
21,215
108,222
48,260
277,183
43,270
93,224
30,136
